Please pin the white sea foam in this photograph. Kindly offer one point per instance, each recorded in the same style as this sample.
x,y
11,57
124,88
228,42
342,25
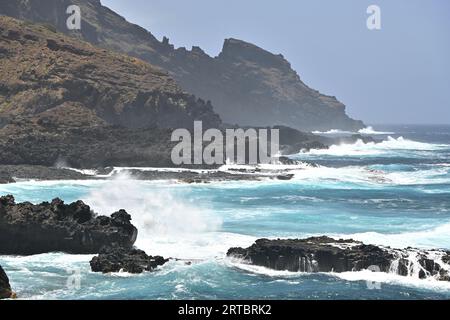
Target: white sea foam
x,y
56,257
370,131
168,224
201,246
154,212
393,279
237,263
435,237
359,148
419,177
372,278
366,177
87,172
334,132
365,131
32,184
336,176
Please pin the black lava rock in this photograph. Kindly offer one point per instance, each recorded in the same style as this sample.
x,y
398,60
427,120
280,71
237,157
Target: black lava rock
x,y
324,254
27,229
115,259
5,287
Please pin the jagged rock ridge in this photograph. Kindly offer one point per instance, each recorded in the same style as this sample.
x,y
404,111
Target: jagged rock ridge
x,y
27,229
324,254
246,84
64,99
57,79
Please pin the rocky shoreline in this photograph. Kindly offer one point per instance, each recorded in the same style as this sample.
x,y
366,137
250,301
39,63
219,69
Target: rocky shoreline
x,y
5,288
324,254
115,259
88,108
17,173
27,229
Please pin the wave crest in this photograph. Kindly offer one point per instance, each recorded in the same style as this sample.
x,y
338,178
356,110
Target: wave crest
x,y
370,131
360,148
155,213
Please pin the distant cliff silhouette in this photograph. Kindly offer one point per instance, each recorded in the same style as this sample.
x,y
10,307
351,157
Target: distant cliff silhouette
x,y
246,84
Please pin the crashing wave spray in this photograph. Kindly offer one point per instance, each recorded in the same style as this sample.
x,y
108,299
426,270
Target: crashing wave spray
x,y
386,147
370,131
157,212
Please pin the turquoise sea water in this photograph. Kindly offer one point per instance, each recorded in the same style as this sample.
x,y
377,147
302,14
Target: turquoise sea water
x,y
394,193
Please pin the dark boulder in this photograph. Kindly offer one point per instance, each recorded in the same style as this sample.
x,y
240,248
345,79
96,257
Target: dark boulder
x,y
5,287
27,229
285,177
312,255
323,254
288,161
293,141
5,180
115,259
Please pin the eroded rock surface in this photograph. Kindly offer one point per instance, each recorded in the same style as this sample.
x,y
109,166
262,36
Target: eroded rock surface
x,y
27,229
323,254
115,259
5,287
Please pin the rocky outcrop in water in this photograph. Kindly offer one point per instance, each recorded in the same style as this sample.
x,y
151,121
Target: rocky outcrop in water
x,y
5,287
27,229
323,254
11,173
115,259
246,84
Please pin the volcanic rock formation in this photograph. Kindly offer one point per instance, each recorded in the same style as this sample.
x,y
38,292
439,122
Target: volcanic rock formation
x,y
323,254
27,229
246,84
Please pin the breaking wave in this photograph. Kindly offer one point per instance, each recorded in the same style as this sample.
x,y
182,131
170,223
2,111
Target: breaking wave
x,y
158,214
386,147
365,131
370,131
323,176
374,280
436,237
333,132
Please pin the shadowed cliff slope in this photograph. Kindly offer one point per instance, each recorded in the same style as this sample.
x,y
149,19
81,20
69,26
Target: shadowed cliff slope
x,y
246,84
53,77
62,99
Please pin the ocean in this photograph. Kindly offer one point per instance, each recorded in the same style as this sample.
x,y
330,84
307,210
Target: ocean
x,y
393,193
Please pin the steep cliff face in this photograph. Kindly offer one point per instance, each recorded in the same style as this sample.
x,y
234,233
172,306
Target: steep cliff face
x,y
55,78
262,88
246,84
62,99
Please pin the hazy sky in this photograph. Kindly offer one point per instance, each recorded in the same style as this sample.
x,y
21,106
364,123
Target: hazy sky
x,y
399,74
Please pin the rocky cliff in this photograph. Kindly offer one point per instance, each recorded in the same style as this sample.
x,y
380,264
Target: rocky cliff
x,y
246,84
62,99
56,79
